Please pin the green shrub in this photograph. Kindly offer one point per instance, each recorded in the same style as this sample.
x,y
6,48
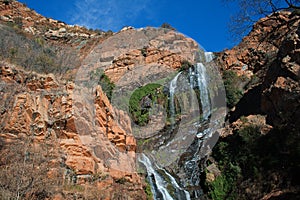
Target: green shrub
x,y
167,26
147,189
144,51
103,80
219,188
121,180
138,111
185,65
231,83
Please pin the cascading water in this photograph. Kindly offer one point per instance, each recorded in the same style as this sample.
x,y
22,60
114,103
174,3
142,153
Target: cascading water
x,y
159,184
202,85
173,85
209,56
197,78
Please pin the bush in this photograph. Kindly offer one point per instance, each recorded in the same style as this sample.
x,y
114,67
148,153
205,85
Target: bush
x,y
167,26
103,80
147,189
141,101
219,188
185,65
231,83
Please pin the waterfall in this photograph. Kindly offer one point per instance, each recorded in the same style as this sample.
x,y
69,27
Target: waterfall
x,y
209,56
197,79
159,186
159,178
159,182
176,186
173,85
202,85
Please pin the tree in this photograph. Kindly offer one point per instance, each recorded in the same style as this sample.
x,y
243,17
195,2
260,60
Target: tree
x,y
252,10
167,26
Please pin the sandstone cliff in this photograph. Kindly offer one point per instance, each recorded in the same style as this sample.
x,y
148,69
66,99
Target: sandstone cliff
x,y
63,136
68,129
258,153
46,111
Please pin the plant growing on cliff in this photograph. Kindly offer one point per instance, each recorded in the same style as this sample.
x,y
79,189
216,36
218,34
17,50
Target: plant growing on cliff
x,y
167,26
231,84
185,65
147,189
103,80
141,102
249,159
35,54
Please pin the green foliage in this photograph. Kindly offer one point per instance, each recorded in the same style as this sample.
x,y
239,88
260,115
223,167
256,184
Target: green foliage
x,y
249,134
102,79
247,157
147,189
219,188
144,51
121,180
167,26
231,83
138,111
237,159
185,65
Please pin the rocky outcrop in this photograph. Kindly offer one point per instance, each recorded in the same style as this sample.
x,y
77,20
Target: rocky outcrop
x,y
281,92
145,56
33,23
45,109
260,46
259,140
269,57
158,48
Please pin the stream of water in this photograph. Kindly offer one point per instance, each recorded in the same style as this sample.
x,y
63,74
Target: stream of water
x,y
159,178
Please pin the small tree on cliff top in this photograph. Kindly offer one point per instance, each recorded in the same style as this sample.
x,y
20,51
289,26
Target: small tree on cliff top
x,y
251,10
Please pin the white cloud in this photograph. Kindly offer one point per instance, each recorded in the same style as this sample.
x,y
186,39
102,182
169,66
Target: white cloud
x,y
110,14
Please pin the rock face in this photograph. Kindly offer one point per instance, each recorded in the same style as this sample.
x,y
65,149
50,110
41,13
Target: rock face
x,y
281,91
38,25
45,109
270,55
84,141
90,138
268,111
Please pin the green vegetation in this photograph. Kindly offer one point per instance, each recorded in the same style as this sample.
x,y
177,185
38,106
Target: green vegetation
x,y
231,83
167,26
121,180
144,51
219,188
237,159
103,80
249,158
185,65
142,100
147,189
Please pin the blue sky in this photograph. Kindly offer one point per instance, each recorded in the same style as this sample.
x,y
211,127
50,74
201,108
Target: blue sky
x,y
206,21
